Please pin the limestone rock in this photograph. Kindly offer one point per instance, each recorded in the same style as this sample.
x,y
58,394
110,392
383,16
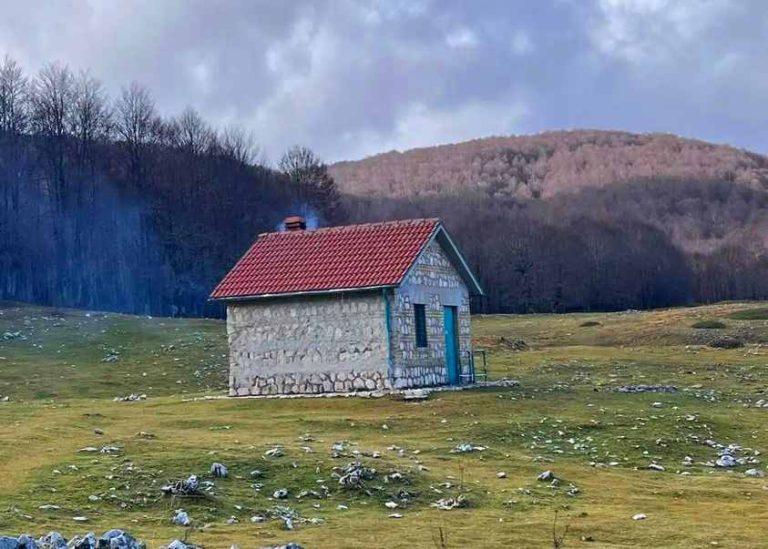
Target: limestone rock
x,y
219,470
181,518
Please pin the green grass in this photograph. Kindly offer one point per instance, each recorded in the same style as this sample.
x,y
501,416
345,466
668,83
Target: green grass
x,y
564,416
757,313
709,325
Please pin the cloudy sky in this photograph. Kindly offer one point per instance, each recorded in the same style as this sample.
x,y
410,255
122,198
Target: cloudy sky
x,y
351,78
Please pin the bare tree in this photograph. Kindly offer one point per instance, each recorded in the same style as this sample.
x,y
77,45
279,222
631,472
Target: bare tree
x,y
136,124
314,185
136,119
239,145
90,118
52,100
52,95
13,95
192,134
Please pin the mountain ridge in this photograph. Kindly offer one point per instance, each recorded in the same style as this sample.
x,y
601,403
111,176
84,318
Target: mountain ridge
x,y
548,163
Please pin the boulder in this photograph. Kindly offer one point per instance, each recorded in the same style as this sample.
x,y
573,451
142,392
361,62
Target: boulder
x,y
27,542
7,542
546,475
53,540
219,470
181,518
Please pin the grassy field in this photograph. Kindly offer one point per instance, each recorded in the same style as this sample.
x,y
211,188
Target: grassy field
x,y
60,371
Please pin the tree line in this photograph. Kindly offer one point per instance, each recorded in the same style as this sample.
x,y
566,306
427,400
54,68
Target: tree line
x,y
107,204
635,245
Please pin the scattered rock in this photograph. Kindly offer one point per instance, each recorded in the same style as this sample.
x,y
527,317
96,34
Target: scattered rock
x,y
275,452
27,542
756,473
219,470
186,487
54,540
656,467
446,504
130,398
465,447
354,475
181,518
282,493
726,460
415,394
7,542
111,356
646,389
546,475
501,474
639,516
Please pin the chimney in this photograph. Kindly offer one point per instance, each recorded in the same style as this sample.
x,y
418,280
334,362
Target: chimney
x,y
295,223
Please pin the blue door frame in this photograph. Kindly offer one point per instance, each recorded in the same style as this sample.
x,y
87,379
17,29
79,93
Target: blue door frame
x,y
451,345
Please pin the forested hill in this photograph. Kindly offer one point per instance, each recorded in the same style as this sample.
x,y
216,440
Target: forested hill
x,y
107,204
584,219
540,166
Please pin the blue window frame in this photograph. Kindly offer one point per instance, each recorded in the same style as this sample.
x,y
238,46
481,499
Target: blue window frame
x,y
420,318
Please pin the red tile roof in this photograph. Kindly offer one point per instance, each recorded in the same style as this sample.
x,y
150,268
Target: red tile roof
x,y
334,258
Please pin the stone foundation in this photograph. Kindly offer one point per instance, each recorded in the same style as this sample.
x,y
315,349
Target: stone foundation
x,y
313,383
427,375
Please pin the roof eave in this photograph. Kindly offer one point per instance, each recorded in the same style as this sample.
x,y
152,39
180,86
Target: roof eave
x,y
256,297
468,275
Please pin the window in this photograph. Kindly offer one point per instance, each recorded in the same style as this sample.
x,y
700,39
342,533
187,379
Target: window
x,y
420,317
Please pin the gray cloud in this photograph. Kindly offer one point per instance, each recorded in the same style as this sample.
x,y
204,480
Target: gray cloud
x,y
351,78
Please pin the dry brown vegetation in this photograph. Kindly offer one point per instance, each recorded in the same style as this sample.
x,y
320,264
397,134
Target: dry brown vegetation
x,y
584,220
547,164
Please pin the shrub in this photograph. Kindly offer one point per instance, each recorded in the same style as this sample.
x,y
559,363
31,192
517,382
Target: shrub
x,y
751,314
708,325
726,342
590,323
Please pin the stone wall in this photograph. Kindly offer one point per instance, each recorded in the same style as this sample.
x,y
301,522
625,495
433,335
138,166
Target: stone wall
x,y
308,344
435,283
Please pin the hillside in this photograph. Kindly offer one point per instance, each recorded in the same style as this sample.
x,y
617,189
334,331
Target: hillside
x,y
584,220
547,164
567,415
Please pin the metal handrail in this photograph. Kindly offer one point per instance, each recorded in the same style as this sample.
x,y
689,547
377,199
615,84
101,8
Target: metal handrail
x,y
471,375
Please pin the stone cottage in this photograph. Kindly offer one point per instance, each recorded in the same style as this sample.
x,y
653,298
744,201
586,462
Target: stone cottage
x,y
338,309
